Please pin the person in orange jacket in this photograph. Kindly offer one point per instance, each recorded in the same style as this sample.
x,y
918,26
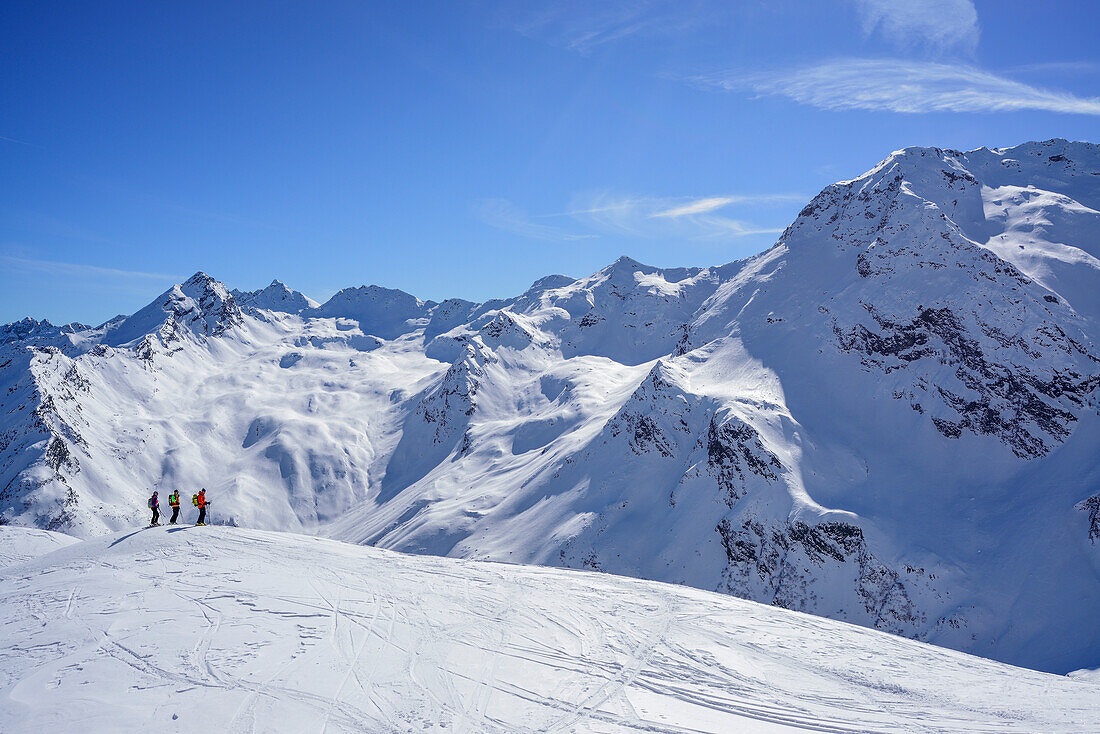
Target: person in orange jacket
x,y
202,503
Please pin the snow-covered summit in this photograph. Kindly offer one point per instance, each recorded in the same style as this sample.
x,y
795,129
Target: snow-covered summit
x,y
902,266
41,333
200,307
26,328
384,312
275,297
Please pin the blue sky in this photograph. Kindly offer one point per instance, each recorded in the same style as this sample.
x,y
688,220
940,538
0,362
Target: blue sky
x,y
466,149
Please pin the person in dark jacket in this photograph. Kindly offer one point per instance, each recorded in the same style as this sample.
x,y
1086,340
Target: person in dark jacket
x,y
174,503
154,505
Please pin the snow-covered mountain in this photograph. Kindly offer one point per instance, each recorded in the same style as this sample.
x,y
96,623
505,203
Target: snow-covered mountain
x,y
890,417
275,297
196,629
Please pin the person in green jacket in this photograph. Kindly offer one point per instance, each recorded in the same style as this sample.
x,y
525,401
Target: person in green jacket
x,y
174,503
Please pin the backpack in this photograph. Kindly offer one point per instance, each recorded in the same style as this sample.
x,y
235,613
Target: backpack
x,y
195,500
150,503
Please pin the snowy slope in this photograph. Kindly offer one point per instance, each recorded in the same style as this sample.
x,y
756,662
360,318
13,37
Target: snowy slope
x,y
196,629
890,417
22,544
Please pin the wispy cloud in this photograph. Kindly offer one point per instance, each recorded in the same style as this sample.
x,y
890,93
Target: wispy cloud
x,y
713,203
663,217
1058,67
902,86
699,206
937,25
51,267
6,139
583,26
503,214
599,213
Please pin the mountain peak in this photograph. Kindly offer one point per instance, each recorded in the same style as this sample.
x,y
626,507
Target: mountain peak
x,y
29,322
201,283
384,312
205,286
550,282
200,305
26,328
198,277
625,261
621,271
276,297
1021,163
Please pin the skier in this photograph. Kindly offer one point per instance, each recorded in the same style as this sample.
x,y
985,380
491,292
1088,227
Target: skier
x,y
201,503
174,503
154,505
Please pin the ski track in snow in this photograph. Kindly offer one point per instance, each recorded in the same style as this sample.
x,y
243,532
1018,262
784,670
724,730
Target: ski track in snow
x,y
251,631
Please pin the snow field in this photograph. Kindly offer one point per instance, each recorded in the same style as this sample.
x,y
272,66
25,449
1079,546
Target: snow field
x,y
22,544
185,629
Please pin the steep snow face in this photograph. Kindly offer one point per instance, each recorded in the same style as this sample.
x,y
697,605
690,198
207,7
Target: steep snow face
x,y
938,393
977,346
200,307
382,312
275,297
193,630
627,312
890,417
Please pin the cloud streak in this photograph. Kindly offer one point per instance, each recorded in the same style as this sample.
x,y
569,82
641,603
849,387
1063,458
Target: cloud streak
x,y
584,26
642,217
897,85
713,203
939,25
52,267
1058,67
699,206
661,217
6,139
503,214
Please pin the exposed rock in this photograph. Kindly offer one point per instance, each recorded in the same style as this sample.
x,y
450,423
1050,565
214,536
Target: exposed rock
x,y
780,565
733,451
1092,507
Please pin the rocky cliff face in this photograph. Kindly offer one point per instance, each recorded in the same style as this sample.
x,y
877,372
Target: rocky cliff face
x,y
890,417
1091,506
1019,361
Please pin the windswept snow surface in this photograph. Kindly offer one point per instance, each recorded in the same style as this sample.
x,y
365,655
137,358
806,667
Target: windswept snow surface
x,y
891,417
186,629
21,544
